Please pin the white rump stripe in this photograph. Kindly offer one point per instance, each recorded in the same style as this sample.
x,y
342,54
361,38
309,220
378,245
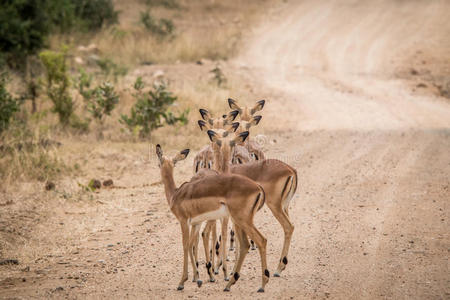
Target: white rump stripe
x,y
222,212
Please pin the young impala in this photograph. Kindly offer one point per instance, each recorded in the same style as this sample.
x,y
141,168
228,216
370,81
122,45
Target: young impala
x,y
211,198
278,180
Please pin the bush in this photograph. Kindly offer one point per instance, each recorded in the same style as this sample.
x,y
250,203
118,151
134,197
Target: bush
x,y
101,100
9,105
58,84
162,27
151,110
110,68
23,29
94,14
26,25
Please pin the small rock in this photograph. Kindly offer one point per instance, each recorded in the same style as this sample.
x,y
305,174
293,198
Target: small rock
x,y
26,269
78,60
421,85
158,73
49,186
59,288
199,62
414,72
108,182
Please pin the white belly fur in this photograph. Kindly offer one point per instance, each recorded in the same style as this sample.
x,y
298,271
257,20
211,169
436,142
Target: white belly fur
x,y
211,215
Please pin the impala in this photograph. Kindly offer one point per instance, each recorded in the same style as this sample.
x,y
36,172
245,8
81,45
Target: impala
x,y
246,119
278,179
211,198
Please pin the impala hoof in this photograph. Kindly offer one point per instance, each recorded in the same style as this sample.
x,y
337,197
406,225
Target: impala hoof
x,y
212,280
216,272
276,274
199,283
231,249
261,290
227,279
180,288
227,289
253,248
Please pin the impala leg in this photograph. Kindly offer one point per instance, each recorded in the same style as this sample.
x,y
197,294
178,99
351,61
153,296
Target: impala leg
x,y
261,242
205,236
243,250
193,237
213,244
288,229
223,250
195,246
232,238
252,243
185,239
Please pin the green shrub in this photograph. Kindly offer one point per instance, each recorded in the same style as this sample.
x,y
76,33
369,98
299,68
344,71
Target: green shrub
x,y
26,24
162,27
58,84
94,14
110,68
24,28
101,100
9,105
151,109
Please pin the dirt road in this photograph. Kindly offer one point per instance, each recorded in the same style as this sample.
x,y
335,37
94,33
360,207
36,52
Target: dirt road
x,y
372,211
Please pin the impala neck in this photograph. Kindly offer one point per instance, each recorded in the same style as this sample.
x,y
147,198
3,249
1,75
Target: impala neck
x,y
169,183
222,161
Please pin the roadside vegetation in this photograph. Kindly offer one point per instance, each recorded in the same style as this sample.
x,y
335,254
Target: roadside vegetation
x,y
70,70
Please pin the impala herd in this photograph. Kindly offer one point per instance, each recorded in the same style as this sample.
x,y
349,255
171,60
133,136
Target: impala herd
x,y
232,179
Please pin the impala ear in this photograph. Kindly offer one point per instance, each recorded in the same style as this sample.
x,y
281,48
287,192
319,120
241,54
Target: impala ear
x,y
259,106
234,126
202,124
255,120
233,105
214,137
232,115
159,152
180,156
241,137
205,114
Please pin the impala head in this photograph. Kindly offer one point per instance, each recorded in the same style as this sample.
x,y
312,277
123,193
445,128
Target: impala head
x,y
216,123
223,147
246,112
246,125
231,127
167,163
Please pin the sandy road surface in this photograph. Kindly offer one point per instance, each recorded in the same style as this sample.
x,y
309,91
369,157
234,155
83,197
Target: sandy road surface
x,y
372,211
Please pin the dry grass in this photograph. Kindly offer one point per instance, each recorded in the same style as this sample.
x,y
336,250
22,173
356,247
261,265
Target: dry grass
x,y
203,30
